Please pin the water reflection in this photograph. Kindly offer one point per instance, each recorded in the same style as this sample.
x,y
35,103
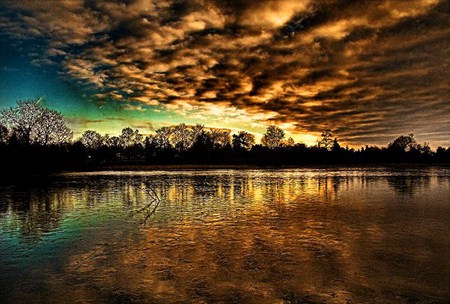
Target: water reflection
x,y
408,185
31,211
292,236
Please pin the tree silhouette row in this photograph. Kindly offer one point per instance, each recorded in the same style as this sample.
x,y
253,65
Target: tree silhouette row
x,y
35,138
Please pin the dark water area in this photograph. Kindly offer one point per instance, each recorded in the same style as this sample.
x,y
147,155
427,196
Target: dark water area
x,y
358,235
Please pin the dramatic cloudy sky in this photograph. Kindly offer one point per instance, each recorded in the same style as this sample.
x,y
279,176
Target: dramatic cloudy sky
x,y
368,70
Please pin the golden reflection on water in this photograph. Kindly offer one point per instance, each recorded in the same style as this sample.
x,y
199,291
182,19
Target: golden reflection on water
x,y
229,237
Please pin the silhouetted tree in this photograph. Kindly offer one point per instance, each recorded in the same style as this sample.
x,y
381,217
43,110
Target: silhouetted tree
x,y
40,129
197,130
273,137
326,140
336,146
243,141
130,137
33,123
52,129
403,143
182,137
220,138
111,141
425,149
91,139
289,142
202,147
4,134
442,154
162,138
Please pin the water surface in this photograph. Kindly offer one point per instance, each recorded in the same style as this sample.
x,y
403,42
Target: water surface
x,y
356,235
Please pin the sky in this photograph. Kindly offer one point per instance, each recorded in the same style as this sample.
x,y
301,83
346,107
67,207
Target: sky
x,y
368,70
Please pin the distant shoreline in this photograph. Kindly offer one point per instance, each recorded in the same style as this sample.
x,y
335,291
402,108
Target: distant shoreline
x,y
33,176
181,167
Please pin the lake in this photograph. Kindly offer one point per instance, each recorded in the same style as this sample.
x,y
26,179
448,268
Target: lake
x,y
331,235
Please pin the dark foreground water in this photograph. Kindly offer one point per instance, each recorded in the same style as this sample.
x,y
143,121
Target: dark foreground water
x,y
228,236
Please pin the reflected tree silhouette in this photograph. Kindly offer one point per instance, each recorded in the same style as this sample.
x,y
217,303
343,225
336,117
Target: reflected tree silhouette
x,y
33,211
408,185
36,209
328,186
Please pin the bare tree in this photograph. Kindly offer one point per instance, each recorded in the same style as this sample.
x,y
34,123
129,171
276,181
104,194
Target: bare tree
x,y
273,137
23,119
52,129
33,123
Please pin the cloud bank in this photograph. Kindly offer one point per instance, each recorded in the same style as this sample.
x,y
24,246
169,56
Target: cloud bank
x,y
368,70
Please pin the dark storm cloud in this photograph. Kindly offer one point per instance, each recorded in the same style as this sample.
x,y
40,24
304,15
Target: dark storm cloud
x,y
369,70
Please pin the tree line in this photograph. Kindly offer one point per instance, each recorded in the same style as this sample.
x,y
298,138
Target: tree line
x,y
33,137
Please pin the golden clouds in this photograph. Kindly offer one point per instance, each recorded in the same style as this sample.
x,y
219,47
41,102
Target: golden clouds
x,y
272,14
313,64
